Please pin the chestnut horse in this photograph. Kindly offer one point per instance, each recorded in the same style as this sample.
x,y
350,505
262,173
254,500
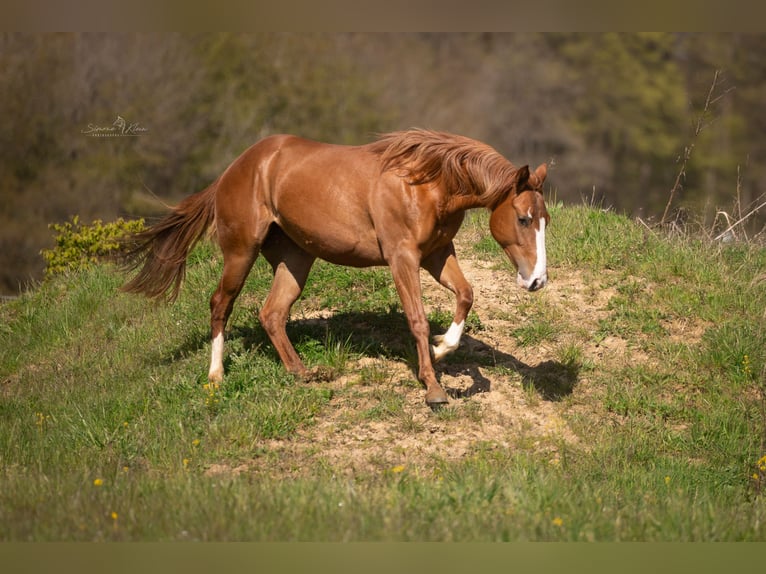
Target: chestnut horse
x,y
397,201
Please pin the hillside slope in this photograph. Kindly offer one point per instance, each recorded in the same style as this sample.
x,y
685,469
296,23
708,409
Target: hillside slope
x,y
624,401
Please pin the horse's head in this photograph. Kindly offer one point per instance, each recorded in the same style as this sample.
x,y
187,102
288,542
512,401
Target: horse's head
x,y
518,225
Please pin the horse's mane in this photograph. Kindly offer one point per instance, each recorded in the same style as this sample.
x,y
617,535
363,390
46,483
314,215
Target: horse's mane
x,y
462,165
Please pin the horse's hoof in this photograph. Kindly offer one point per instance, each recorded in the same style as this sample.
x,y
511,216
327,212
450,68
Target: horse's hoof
x,y
436,398
441,348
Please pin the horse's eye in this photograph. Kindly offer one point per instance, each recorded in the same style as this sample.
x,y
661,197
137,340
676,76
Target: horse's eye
x,y
525,221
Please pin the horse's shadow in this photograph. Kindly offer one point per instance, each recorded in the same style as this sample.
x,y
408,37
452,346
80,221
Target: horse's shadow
x,y
386,334
552,380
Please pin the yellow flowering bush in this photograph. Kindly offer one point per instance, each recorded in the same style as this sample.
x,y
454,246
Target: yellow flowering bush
x,y
78,246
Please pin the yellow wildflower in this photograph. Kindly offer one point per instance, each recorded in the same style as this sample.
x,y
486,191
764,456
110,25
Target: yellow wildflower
x,y
746,365
558,521
98,482
41,421
398,468
114,515
212,398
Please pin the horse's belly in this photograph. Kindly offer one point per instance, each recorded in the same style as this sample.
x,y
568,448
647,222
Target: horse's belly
x,y
336,242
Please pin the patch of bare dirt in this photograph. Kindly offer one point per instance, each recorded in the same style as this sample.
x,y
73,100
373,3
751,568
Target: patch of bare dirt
x,y
504,395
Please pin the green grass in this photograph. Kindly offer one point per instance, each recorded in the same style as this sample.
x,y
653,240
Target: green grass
x,y
108,430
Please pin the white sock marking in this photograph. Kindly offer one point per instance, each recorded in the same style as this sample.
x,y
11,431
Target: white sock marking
x,y
453,334
450,341
216,359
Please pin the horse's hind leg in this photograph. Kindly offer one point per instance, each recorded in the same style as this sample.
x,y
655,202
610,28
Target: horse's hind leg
x,y
240,243
291,266
445,269
236,267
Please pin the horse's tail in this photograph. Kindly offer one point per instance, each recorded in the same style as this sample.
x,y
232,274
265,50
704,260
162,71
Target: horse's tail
x,y
161,250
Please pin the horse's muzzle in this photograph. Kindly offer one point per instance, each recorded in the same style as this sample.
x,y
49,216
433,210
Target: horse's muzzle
x,y
532,284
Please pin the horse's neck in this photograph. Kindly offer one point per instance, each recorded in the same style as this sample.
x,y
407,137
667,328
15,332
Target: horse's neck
x,y
457,204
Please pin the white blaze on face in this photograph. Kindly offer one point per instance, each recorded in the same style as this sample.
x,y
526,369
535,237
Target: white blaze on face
x,y
539,275
541,265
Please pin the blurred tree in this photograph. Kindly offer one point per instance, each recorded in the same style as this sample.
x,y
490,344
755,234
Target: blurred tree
x,y
732,152
628,100
202,99
613,112
55,86
261,84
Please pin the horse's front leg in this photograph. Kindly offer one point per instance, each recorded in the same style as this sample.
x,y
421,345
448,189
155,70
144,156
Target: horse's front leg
x,y
443,266
407,279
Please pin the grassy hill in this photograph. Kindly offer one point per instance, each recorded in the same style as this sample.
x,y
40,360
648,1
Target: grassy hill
x,y
626,401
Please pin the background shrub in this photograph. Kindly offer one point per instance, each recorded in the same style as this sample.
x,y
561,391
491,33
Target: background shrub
x,y
78,246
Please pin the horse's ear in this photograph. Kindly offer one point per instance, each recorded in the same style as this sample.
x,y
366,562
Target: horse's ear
x,y
541,172
522,176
